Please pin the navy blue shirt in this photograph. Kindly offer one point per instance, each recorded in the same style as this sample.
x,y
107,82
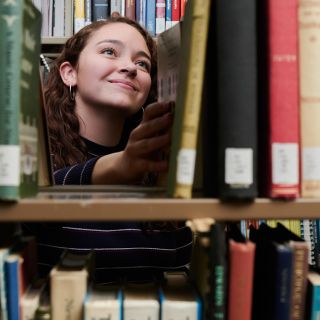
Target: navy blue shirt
x,y
121,248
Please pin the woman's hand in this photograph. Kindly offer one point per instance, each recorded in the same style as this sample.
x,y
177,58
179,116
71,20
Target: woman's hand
x,y
142,152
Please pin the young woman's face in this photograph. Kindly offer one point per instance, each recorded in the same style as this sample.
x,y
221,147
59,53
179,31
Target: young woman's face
x,y
114,69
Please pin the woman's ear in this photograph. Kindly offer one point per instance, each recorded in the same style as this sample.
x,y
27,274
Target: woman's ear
x,y
68,74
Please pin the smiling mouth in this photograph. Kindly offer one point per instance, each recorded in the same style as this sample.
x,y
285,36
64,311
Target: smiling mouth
x,y
124,84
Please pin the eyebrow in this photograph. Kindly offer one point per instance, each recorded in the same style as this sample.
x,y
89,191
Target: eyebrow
x,y
120,43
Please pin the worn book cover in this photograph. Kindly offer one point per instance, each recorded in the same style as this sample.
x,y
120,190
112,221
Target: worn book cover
x,y
19,99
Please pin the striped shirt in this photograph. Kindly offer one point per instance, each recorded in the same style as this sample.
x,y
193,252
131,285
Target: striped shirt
x,y
121,248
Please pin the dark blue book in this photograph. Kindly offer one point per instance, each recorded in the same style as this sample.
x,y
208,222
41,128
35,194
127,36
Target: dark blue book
x,y
283,280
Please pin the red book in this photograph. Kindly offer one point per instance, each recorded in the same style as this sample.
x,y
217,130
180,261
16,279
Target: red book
x,y
131,9
241,271
182,7
283,99
175,15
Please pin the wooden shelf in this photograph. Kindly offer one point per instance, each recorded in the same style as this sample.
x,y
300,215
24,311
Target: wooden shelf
x,y
53,40
99,206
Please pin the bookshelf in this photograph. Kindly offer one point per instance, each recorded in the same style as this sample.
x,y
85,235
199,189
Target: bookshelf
x,y
112,205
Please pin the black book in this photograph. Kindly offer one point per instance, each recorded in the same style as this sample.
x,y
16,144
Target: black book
x,y
236,68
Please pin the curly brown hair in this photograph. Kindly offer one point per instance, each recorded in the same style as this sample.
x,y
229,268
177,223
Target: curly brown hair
x,y
67,147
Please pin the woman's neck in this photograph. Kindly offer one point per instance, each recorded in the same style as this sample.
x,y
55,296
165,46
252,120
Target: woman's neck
x,y
101,125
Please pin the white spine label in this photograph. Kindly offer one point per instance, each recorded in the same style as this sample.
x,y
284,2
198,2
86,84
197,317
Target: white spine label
x,y
285,163
311,163
9,165
239,166
185,166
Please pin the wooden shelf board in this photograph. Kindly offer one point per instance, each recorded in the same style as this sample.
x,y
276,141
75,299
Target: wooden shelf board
x,y
53,40
102,207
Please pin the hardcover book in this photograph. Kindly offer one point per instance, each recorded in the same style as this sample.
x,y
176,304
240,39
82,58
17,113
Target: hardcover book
x,y
178,298
236,69
284,127
19,99
189,99
309,44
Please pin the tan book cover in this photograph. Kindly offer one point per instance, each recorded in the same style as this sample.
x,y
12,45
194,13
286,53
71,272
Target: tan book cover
x,y
309,38
68,290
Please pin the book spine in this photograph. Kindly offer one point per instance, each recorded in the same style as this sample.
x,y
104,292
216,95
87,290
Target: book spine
x,y
115,6
168,14
88,11
309,44
79,16
151,17
123,7
11,267
182,7
68,19
218,274
160,16
10,57
283,274
236,98
100,10
299,280
3,292
284,99
188,105
241,264
175,5
131,9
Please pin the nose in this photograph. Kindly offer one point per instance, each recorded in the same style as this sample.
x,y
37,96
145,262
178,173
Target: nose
x,y
129,67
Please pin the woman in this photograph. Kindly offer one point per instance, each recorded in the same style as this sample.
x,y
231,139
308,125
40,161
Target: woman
x,y
99,89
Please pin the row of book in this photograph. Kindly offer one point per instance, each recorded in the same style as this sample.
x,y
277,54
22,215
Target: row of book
x,y
62,18
256,113
264,277
70,292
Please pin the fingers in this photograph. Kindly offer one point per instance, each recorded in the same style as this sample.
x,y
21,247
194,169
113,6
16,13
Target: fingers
x,y
145,147
148,129
155,110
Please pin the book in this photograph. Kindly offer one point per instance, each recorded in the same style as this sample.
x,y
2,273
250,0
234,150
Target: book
x,y
179,299
88,11
19,111
131,9
30,300
115,6
283,91
151,17
160,16
100,10
236,98
141,301
103,302
241,273
309,50
188,104
168,14
13,282
218,265
68,286
313,296
79,16
175,13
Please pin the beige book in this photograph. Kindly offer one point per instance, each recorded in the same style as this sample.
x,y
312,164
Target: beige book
x,y
309,41
68,290
178,299
141,302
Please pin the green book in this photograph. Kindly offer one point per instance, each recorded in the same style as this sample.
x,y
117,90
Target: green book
x,y
20,29
189,99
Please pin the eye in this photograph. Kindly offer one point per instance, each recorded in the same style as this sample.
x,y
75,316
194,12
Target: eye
x,y
144,65
109,52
